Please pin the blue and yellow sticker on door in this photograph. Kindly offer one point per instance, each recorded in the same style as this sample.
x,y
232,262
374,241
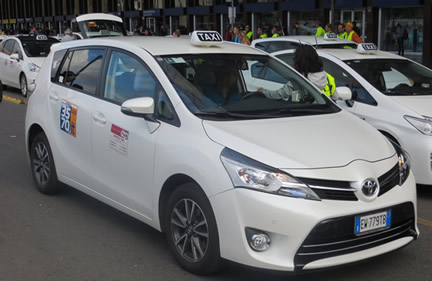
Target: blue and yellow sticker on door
x,y
68,117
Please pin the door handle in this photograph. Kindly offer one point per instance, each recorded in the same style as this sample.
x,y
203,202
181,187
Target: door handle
x,y
99,118
53,96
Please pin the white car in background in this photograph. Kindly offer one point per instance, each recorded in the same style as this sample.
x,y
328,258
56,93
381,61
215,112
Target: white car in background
x,y
172,132
21,58
280,43
392,93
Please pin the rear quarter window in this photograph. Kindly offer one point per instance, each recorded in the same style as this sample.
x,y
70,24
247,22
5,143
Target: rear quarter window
x,y
56,62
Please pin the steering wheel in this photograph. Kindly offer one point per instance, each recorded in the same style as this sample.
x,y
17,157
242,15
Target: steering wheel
x,y
253,95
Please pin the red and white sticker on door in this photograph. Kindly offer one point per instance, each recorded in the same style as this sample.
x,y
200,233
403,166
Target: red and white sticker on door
x,y
119,139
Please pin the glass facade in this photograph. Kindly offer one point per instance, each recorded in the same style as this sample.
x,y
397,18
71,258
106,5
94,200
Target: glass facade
x,y
411,19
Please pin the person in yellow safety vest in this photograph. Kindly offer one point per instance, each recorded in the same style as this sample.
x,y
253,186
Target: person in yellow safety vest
x,y
341,31
320,30
275,31
248,32
261,34
352,35
328,28
330,86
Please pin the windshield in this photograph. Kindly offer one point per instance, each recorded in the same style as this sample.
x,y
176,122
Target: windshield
x,y
235,86
37,48
101,28
395,76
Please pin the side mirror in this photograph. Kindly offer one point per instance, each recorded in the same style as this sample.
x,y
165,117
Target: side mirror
x,y
343,93
14,56
139,107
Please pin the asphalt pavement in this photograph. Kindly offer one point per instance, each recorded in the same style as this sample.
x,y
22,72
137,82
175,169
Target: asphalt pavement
x,y
74,237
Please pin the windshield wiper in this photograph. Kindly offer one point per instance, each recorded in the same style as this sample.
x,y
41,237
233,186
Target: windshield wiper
x,y
226,115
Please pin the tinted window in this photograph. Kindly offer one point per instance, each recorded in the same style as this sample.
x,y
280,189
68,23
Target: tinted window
x,y
57,59
287,58
83,71
8,47
127,78
343,78
395,76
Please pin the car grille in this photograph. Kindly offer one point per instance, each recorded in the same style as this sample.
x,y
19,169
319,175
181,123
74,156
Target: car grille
x,y
332,190
389,180
335,237
341,190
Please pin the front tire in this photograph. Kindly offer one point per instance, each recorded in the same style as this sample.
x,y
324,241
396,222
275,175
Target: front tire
x,y
191,230
42,165
23,85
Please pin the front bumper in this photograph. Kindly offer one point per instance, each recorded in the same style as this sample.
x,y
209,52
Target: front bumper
x,y
309,234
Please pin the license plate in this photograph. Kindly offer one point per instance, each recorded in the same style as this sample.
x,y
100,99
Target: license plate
x,y
368,223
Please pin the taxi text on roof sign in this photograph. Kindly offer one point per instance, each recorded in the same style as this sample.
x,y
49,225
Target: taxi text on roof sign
x,y
41,37
330,36
206,38
366,48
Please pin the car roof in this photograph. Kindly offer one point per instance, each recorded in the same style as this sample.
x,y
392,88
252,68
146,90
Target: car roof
x,y
352,54
27,38
159,46
307,39
98,16
349,54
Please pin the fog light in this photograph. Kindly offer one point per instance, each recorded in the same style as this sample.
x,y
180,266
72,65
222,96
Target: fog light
x,y
258,240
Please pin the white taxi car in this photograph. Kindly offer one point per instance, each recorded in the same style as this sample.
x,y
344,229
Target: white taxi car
x,y
280,43
21,58
392,93
172,132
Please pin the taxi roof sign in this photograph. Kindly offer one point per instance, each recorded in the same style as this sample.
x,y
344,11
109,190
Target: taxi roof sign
x,y
330,36
206,38
366,48
41,37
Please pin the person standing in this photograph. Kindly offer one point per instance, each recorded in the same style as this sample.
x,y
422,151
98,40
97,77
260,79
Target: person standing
x,y
236,31
248,32
399,33
351,34
318,30
68,35
229,34
308,63
243,38
261,33
341,31
328,28
275,31
33,31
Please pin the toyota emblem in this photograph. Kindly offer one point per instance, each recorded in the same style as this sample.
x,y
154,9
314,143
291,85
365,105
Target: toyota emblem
x,y
369,187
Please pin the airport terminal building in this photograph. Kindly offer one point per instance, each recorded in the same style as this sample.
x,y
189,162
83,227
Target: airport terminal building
x,y
376,19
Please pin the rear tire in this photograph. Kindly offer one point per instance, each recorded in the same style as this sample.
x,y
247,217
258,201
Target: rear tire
x,y
191,230
23,85
42,165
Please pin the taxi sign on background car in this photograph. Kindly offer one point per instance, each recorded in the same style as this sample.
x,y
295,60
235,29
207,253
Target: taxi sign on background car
x,y
366,48
330,36
41,37
206,38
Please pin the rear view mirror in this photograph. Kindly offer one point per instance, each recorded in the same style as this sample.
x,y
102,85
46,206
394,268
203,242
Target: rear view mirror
x,y
14,56
343,93
139,107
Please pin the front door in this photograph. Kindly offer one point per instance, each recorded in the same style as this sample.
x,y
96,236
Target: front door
x,y
124,146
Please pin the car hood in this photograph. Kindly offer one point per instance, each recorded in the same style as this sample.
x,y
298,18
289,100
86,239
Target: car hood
x,y
37,60
420,104
320,141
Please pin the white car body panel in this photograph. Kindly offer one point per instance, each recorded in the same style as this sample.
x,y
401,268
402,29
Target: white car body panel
x,y
335,147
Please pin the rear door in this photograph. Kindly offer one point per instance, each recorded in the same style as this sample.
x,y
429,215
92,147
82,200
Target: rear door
x,y
71,99
6,62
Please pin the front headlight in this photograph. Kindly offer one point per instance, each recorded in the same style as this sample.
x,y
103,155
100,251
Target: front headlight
x,y
248,173
423,125
33,67
403,162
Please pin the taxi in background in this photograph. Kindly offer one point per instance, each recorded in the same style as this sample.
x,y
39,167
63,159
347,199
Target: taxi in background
x,y
21,58
280,43
392,93
173,132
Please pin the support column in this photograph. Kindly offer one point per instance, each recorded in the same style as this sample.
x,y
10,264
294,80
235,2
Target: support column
x,y
427,37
